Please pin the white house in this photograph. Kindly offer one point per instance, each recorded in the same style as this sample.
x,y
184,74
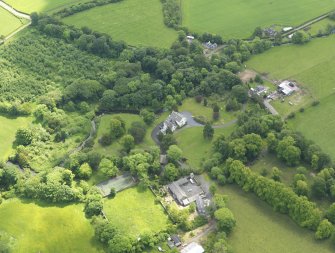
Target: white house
x,y
174,121
193,247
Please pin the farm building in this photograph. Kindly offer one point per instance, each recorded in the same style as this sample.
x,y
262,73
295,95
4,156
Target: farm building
x,y
174,121
287,87
210,45
186,190
286,29
193,247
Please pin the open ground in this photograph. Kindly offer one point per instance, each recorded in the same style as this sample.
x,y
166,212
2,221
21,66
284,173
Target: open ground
x,y
12,22
44,228
136,22
239,18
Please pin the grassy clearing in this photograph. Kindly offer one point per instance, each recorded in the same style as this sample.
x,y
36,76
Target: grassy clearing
x,y
321,25
318,124
12,22
195,147
138,22
134,212
7,133
260,229
239,18
43,228
198,109
41,5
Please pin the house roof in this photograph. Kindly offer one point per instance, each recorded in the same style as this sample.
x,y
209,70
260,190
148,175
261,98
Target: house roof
x,y
200,205
287,87
176,116
176,240
193,248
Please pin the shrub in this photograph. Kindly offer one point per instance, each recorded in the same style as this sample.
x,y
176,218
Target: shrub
x,y
291,115
302,109
315,103
198,99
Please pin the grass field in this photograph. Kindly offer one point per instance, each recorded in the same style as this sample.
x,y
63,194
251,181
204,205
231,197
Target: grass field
x,y
239,18
260,229
137,22
41,5
43,228
134,212
12,22
195,147
7,133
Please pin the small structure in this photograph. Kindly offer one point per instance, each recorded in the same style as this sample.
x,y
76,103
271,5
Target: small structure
x,y
174,121
259,90
193,247
200,204
287,87
186,190
210,45
270,32
163,159
286,29
174,241
190,38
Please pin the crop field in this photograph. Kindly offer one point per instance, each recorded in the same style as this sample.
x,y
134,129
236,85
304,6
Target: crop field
x,y
135,212
44,228
195,148
137,22
7,133
41,5
260,229
12,22
239,18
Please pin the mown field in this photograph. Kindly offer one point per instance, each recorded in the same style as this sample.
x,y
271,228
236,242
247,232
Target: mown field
x,y
239,18
8,131
44,228
137,22
135,212
41,5
12,22
260,229
195,148
313,66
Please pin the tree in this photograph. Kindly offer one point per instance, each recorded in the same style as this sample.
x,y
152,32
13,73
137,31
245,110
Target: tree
x,y
107,167
276,173
288,152
319,187
120,244
147,116
330,214
167,141
117,129
85,171
138,131
23,137
127,142
258,32
240,92
301,188
225,218
174,153
171,173
324,230
300,37
208,131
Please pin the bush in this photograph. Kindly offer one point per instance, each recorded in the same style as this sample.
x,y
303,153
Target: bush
x,y
198,99
315,103
302,109
291,115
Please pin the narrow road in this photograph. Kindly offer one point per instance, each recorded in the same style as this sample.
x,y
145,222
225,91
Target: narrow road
x,y
271,109
82,145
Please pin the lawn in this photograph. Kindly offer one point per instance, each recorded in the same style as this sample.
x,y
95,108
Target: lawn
x,y
41,5
318,124
195,148
12,22
137,22
44,228
7,133
135,212
260,229
239,18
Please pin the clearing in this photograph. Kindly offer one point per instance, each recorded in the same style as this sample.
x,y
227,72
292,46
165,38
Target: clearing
x,y
7,133
135,212
260,229
138,22
45,228
41,5
239,18
12,22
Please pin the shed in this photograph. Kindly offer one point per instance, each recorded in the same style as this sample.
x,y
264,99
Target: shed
x,y
176,240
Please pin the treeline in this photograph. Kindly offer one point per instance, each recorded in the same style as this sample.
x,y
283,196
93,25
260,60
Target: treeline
x,y
15,109
172,13
68,11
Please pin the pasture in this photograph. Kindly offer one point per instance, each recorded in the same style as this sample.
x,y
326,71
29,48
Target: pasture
x,y
12,22
260,229
7,133
135,212
137,22
44,228
41,5
239,18
195,148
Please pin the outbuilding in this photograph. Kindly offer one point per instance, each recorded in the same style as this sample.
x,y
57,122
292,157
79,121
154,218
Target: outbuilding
x,y
193,247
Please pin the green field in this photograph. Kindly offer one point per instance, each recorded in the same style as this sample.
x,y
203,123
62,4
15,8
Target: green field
x,y
195,147
260,229
41,5
134,212
239,18
12,22
7,133
44,228
137,22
